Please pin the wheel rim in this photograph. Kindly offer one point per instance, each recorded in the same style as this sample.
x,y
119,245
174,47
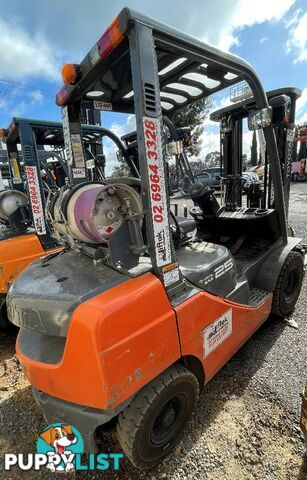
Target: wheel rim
x,y
290,285
169,420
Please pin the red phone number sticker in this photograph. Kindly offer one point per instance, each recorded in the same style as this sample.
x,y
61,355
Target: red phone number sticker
x,y
154,157
36,204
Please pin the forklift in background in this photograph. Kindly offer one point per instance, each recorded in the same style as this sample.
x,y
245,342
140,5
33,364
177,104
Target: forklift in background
x,y
36,175
143,319
283,102
26,235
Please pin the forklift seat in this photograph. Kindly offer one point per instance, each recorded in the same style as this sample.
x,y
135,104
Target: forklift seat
x,y
208,266
187,227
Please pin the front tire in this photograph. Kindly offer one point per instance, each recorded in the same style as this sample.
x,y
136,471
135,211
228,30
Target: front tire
x,y
288,285
150,426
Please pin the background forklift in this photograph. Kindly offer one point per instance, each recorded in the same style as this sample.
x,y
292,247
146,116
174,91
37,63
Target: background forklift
x,y
25,234
283,102
144,320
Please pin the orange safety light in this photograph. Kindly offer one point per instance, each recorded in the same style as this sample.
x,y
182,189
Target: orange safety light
x,y
69,73
110,39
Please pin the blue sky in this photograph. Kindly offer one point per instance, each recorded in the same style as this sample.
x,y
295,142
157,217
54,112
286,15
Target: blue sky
x,y
37,38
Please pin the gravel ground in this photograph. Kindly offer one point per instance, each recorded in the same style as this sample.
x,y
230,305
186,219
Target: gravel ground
x,y
247,422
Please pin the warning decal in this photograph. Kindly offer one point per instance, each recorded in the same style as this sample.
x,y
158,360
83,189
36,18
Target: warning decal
x,y
170,274
217,332
67,141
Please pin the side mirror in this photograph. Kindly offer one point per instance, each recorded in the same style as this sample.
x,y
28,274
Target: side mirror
x,y
260,119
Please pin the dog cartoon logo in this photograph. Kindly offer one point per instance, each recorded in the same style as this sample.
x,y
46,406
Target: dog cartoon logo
x,y
60,442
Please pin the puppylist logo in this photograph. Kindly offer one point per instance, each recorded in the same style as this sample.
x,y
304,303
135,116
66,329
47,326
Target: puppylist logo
x,y
59,448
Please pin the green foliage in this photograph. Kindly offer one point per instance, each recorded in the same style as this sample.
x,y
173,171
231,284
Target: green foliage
x,y
193,116
197,165
254,154
213,159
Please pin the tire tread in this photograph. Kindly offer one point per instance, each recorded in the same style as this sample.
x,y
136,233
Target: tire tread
x,y
129,423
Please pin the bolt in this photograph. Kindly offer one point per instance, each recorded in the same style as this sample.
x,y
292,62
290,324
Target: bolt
x,y
110,215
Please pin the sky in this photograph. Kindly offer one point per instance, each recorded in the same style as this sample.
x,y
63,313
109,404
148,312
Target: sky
x,y
38,37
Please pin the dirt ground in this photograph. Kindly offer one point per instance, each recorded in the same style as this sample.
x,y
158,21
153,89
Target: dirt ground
x,y
247,422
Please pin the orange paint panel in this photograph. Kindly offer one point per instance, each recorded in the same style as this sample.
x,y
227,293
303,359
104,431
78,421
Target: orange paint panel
x,y
15,254
203,309
117,342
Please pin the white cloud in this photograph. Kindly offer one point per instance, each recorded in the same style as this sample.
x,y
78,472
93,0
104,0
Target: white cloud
x,y
19,109
211,137
122,129
234,16
23,55
36,96
297,42
37,49
263,39
211,142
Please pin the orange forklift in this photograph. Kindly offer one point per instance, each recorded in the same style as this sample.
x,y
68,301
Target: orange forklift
x,y
143,319
25,235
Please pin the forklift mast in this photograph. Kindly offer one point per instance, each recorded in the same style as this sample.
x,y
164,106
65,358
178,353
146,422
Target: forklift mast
x,y
283,103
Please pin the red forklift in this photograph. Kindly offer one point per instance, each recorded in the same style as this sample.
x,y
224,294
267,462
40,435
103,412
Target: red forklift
x,y
143,319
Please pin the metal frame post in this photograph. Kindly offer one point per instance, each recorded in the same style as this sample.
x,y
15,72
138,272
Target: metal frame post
x,y
148,114
74,150
35,183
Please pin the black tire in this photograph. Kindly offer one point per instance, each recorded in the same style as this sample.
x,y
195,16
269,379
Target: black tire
x,y
288,285
5,324
150,426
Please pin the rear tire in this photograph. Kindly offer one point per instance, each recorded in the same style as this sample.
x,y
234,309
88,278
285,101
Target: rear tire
x,y
5,324
288,285
150,426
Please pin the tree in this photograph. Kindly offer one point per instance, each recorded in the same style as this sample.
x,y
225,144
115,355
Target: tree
x,y
302,153
193,116
213,159
254,155
196,165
